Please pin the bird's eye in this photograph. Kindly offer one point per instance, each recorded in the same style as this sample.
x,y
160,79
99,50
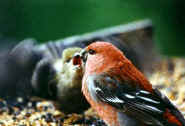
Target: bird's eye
x,y
91,52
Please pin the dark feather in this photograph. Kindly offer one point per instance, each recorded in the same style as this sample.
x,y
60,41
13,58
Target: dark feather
x,y
135,102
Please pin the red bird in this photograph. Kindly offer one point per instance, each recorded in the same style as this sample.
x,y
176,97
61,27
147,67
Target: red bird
x,y
120,93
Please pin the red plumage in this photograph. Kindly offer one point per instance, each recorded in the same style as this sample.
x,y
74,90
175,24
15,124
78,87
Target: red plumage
x,y
120,93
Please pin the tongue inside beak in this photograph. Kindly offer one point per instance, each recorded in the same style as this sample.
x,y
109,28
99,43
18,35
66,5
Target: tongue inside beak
x,y
77,60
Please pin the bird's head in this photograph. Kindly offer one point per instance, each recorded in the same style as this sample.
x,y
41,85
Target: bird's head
x,y
99,56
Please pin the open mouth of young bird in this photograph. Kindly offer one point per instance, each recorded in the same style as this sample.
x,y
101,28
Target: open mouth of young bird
x,y
77,60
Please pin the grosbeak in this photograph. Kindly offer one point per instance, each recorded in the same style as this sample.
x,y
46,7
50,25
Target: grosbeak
x,y
120,93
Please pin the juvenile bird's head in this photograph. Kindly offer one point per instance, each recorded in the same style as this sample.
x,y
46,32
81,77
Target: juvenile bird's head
x,y
103,55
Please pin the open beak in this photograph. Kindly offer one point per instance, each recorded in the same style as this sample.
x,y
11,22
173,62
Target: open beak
x,y
78,58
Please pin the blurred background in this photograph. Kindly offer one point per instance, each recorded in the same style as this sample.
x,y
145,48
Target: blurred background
x,y
55,19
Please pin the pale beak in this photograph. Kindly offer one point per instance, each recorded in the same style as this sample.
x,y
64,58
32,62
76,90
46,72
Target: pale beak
x,y
80,58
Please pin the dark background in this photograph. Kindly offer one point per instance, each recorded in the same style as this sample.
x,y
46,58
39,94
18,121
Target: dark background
x,y
55,19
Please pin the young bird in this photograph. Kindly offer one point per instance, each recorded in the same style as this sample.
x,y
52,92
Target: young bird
x,y
120,93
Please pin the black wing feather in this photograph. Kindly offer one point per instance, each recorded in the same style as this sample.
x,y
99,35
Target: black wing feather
x,y
133,101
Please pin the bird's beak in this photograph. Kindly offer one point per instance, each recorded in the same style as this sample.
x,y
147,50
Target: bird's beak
x,y
83,55
78,58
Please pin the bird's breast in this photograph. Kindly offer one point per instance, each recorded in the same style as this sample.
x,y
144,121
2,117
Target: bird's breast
x,y
105,111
